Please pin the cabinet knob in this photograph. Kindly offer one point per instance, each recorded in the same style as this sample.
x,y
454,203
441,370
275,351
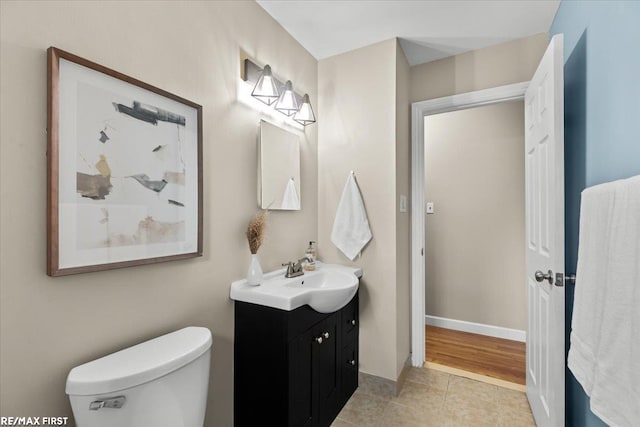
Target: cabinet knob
x,y
323,336
352,362
353,322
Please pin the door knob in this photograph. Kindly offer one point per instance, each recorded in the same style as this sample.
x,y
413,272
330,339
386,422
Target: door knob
x,y
319,340
326,335
540,276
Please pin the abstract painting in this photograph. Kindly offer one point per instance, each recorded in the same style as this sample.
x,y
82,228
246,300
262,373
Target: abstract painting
x,y
124,170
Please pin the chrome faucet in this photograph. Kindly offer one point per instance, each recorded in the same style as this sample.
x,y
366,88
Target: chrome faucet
x,y
294,269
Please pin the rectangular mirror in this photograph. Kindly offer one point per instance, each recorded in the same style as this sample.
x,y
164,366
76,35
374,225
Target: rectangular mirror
x,y
279,169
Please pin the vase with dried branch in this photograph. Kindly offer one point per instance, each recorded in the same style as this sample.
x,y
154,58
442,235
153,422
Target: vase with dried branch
x,y
255,237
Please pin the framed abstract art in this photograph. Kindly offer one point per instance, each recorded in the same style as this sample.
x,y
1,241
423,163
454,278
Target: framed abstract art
x,y
124,170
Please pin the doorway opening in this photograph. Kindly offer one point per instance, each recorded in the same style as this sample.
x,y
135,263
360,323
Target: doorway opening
x,y
420,110
475,296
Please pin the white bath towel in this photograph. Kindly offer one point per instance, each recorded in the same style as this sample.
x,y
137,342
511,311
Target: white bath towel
x,y
290,200
351,231
605,338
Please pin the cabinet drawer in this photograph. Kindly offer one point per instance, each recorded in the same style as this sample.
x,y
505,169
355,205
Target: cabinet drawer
x,y
350,317
349,371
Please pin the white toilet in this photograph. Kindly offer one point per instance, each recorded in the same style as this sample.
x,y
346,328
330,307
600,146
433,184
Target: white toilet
x,y
161,383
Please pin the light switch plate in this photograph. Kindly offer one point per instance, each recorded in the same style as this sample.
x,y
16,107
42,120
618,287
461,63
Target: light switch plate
x,y
430,207
403,203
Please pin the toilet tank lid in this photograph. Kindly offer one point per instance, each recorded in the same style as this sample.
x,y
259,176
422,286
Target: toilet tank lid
x,y
139,364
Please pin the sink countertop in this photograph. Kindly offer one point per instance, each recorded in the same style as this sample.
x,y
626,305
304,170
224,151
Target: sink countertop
x,y
287,294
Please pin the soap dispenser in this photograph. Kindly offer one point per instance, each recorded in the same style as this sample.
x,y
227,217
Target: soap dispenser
x,y
312,255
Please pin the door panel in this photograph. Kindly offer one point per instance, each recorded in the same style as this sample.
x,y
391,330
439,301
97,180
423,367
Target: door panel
x,y
543,325
544,164
301,368
328,383
532,201
532,370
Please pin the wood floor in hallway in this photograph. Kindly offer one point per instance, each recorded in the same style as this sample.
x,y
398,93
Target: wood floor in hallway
x,y
480,354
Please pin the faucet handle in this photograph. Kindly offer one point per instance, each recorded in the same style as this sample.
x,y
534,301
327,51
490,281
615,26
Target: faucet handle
x,y
290,266
291,269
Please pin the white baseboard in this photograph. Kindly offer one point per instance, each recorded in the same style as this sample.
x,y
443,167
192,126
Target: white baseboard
x,y
476,328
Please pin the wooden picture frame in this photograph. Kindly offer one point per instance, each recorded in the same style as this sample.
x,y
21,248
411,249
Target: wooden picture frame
x,y
124,170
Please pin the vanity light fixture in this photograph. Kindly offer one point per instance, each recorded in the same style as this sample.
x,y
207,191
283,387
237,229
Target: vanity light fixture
x,y
305,115
270,90
266,89
287,103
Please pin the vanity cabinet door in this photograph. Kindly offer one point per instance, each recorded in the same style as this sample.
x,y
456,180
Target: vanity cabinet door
x,y
301,406
326,381
314,375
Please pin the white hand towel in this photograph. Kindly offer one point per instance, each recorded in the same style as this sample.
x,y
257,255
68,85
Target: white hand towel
x,y
351,231
605,337
290,200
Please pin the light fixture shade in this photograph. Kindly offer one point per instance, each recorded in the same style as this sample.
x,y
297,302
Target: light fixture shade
x,y
305,115
287,103
266,89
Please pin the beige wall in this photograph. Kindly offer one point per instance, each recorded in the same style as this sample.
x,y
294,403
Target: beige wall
x,y
357,115
498,65
48,325
475,245
403,219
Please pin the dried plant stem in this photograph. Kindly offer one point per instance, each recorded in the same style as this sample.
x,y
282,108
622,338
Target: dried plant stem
x,y
255,231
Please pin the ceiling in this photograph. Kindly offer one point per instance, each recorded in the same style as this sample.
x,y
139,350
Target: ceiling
x,y
428,29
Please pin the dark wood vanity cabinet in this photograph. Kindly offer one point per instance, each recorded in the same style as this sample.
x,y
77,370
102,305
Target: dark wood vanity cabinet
x,y
293,368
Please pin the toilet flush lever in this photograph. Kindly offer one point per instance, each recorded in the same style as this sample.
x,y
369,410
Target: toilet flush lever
x,y
112,402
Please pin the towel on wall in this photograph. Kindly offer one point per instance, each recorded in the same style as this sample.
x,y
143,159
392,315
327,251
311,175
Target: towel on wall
x,y
351,231
290,200
604,354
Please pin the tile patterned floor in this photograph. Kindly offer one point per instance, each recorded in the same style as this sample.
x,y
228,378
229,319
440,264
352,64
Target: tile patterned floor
x,y
434,398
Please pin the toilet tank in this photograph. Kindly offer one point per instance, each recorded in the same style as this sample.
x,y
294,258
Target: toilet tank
x,y
161,382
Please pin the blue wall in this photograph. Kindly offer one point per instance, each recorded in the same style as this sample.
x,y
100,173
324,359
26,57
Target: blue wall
x,y
602,124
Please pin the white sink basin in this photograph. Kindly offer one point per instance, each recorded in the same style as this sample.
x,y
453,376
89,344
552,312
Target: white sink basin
x,y
327,289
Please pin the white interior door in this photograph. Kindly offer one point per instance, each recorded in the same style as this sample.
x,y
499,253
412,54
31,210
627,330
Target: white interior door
x,y
544,142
